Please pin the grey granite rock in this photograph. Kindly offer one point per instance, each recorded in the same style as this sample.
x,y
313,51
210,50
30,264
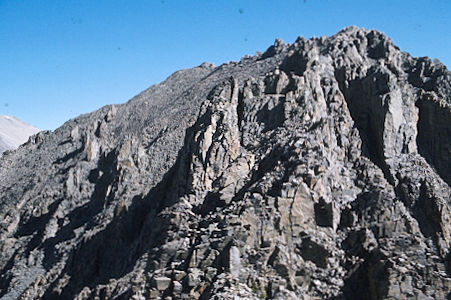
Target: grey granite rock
x,y
316,170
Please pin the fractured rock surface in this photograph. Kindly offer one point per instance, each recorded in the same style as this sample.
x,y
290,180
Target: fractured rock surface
x,y
316,170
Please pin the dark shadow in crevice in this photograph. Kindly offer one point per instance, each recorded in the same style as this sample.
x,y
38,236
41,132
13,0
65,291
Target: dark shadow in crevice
x,y
34,226
267,164
113,252
365,106
211,202
434,136
427,213
272,117
370,280
295,63
240,112
69,156
448,263
85,214
314,252
5,278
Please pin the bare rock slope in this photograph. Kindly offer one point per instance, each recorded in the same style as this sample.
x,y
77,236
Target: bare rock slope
x,y
14,132
316,170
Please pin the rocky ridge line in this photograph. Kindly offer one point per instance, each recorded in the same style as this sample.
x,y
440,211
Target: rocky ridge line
x,y
316,170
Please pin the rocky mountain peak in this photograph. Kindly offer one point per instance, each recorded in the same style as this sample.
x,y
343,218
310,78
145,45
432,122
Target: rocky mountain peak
x,y
318,169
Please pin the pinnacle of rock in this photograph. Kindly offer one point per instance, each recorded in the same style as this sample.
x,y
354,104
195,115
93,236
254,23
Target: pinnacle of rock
x,y
316,170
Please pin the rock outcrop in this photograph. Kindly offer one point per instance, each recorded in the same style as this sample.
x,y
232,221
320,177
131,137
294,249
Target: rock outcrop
x,y
14,132
316,170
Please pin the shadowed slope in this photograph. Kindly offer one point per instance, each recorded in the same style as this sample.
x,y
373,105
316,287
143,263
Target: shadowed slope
x,y
309,171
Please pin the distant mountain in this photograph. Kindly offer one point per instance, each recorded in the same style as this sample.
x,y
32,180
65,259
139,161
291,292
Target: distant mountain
x,y
14,132
316,170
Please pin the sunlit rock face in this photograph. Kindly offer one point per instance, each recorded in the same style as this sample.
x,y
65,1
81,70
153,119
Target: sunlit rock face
x,y
316,170
14,132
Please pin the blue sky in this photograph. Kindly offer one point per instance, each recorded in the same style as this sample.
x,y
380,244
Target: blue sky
x,y
62,58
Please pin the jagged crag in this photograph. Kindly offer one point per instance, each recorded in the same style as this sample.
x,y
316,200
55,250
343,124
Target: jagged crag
x,y
316,170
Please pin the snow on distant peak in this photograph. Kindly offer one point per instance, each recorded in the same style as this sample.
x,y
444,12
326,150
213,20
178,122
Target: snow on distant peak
x,y
14,132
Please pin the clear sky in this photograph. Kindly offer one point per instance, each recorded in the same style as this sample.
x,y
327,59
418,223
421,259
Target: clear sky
x,y
62,58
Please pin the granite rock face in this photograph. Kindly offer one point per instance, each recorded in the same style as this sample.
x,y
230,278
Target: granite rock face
x,y
316,170
14,132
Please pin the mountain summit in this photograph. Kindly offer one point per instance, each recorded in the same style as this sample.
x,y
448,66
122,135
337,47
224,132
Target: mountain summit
x,y
316,170
14,132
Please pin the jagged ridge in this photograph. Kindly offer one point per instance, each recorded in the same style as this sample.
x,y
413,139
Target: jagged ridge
x,y
317,169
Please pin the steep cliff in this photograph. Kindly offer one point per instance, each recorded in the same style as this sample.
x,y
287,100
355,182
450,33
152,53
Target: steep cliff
x,y
316,170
